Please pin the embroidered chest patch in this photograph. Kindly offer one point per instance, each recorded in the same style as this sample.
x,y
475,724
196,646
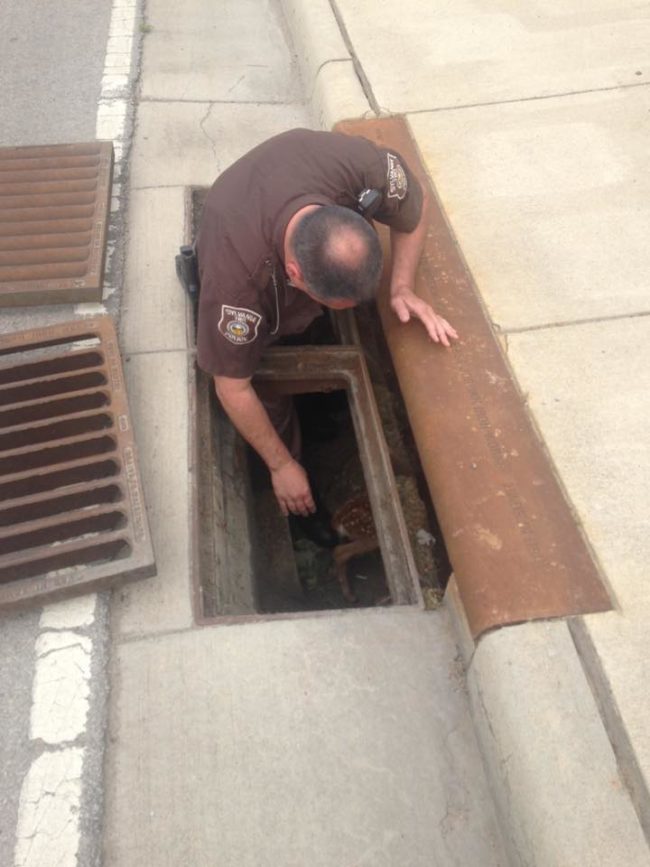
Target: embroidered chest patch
x,y
238,324
396,177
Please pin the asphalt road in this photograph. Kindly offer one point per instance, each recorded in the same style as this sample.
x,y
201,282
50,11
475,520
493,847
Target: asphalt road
x,y
51,64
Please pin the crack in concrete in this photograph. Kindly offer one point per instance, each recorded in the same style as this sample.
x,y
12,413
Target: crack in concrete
x,y
521,99
78,644
202,122
641,314
238,82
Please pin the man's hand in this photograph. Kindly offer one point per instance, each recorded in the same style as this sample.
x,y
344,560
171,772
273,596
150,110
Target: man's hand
x,y
406,303
291,487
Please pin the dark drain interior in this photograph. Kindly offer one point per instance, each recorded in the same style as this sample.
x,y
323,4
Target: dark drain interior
x,y
289,572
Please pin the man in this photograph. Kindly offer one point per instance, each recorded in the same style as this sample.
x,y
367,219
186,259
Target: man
x,y
281,237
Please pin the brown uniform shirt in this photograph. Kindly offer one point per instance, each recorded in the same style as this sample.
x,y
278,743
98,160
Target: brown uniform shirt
x,y
245,302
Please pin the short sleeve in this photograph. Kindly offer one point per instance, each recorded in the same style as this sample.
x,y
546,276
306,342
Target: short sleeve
x,y
232,331
401,205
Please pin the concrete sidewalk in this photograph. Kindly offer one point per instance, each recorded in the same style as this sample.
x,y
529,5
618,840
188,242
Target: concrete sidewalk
x,y
349,739
534,127
344,738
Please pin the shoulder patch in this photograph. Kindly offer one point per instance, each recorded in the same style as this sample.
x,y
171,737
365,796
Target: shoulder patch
x,y
396,178
238,324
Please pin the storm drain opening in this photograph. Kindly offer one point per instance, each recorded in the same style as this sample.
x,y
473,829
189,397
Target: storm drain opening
x,y
72,515
249,559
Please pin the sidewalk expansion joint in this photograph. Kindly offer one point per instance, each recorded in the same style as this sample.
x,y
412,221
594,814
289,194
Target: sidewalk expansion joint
x,y
235,620
522,99
183,350
617,734
160,187
211,102
358,68
569,323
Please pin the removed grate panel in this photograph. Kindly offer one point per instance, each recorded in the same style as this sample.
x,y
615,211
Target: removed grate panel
x,y
54,203
72,513
517,550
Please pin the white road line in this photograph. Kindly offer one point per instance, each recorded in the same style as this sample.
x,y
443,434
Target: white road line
x,y
48,819
61,689
47,832
113,113
71,614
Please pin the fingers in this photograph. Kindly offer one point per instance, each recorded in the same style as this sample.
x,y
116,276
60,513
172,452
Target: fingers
x,y
438,329
301,503
304,506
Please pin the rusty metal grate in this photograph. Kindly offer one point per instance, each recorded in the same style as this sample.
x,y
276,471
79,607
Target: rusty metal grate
x,y
72,514
517,550
54,204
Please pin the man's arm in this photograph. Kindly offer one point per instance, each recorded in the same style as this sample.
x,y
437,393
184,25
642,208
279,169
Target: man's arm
x,y
406,249
248,415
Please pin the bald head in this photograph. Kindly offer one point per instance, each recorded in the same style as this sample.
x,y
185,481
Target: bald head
x,y
338,253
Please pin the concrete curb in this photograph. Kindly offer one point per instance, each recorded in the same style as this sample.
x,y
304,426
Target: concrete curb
x,y
560,792
326,67
555,776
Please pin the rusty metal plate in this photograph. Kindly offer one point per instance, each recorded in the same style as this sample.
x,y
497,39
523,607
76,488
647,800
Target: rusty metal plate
x,y
72,515
296,370
54,204
517,550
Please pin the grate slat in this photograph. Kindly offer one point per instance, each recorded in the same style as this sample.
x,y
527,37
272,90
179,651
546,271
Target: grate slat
x,y
45,503
64,525
54,429
35,410
47,559
51,213
30,186
43,256
71,505
49,386
77,360
11,243
68,151
22,484
55,199
37,456
37,227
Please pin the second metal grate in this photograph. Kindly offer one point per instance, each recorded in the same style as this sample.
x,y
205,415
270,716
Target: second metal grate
x,y
69,490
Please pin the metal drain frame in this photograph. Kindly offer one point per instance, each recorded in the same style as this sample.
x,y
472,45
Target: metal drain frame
x,y
54,211
119,460
303,369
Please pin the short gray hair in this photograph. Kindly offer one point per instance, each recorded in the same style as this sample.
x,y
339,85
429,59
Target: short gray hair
x,y
329,273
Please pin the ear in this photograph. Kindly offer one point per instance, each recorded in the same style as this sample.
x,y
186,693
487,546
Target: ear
x,y
293,271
